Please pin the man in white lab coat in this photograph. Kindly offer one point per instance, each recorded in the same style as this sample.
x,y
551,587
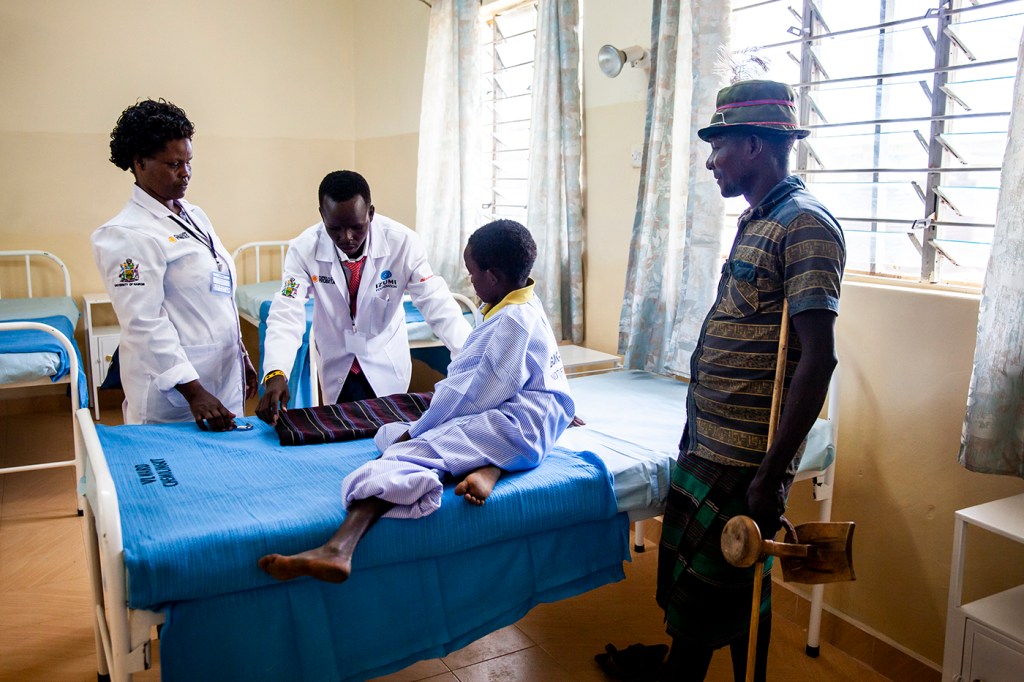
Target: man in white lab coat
x,y
356,265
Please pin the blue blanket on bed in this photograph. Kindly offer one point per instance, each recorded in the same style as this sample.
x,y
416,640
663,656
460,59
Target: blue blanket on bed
x,y
33,341
180,489
198,509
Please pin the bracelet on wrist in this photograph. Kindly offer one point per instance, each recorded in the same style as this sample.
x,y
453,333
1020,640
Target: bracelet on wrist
x,y
271,375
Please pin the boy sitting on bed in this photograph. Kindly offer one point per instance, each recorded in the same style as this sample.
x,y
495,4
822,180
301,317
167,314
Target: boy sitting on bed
x,y
502,407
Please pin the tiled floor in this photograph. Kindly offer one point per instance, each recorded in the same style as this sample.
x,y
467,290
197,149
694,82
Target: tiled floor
x,y
46,633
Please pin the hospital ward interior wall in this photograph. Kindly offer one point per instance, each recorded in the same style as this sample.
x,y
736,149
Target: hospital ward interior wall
x,y
269,86
280,96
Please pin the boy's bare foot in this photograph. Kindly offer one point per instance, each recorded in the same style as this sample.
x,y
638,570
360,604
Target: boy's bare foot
x,y
320,563
477,486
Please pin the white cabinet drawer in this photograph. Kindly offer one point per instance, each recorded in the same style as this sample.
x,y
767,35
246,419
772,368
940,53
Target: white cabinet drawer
x,y
990,656
105,347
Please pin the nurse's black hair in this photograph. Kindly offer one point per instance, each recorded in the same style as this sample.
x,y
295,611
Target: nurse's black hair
x,y
144,129
343,185
504,245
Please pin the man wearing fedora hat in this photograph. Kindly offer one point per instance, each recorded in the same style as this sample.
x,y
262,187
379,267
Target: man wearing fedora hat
x,y
788,249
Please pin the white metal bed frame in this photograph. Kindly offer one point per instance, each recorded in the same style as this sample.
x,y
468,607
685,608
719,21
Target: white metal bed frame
x,y
72,378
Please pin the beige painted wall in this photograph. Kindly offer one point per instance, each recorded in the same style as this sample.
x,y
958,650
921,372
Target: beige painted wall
x,y
281,96
391,47
268,87
905,357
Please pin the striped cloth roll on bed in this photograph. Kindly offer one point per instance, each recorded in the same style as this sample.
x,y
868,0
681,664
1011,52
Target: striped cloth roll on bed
x,y
348,421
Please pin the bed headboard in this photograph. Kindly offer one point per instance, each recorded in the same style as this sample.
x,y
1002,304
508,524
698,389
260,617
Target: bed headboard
x,y
44,262
259,261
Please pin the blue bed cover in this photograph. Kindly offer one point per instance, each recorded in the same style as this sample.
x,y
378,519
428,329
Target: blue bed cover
x,y
198,509
59,312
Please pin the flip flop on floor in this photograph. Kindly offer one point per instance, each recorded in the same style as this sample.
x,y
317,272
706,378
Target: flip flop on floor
x,y
635,663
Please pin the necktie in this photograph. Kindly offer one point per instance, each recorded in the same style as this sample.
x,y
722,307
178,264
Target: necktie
x,y
355,272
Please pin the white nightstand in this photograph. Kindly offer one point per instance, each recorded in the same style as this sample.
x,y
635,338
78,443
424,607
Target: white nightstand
x,y
578,360
985,637
102,341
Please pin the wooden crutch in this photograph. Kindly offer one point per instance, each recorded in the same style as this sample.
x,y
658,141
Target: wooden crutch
x,y
773,424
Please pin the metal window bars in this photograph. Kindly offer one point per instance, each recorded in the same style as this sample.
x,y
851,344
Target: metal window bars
x,y
908,101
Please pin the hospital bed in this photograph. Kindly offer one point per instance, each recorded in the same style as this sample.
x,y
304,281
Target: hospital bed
x,y
259,265
37,343
566,532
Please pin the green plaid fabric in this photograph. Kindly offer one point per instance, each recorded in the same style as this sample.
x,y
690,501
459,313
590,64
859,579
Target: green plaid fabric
x,y
706,600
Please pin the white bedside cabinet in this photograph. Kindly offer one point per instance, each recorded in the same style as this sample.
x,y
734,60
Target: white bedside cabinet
x,y
985,637
102,341
578,360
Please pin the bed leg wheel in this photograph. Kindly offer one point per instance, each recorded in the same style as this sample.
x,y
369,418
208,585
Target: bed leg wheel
x,y
100,677
639,548
812,651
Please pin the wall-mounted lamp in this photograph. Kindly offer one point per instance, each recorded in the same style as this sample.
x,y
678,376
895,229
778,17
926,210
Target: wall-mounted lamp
x,y
611,59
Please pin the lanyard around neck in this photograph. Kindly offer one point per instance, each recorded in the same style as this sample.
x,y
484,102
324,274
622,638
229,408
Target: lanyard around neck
x,y
200,236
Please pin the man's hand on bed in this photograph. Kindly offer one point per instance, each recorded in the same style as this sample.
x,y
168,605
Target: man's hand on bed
x,y
210,414
252,380
275,398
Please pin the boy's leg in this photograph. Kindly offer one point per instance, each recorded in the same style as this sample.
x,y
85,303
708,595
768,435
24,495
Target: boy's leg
x,y
331,561
687,662
476,487
738,650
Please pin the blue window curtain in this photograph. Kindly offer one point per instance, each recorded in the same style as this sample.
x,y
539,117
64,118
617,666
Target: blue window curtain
x,y
993,434
450,147
674,258
555,195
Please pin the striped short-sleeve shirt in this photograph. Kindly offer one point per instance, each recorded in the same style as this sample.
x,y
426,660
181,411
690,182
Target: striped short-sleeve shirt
x,y
787,247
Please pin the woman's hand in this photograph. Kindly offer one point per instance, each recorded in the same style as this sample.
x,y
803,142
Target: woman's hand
x,y
210,414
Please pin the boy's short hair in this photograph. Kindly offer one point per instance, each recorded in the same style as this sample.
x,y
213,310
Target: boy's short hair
x,y
504,245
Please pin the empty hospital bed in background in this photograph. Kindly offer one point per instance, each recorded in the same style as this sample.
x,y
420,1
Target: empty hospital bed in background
x,y
37,342
549,534
259,266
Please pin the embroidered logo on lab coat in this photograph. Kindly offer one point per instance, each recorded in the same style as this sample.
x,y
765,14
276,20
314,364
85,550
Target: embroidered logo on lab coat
x,y
175,237
290,288
387,282
129,275
323,279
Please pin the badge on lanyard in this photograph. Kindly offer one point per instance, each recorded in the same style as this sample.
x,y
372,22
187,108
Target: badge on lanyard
x,y
220,283
355,342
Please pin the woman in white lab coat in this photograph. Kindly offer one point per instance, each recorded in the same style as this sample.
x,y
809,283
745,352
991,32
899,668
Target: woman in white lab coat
x,y
171,282
356,265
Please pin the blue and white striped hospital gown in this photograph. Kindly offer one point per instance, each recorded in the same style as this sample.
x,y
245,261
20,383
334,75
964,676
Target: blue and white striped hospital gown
x,y
505,402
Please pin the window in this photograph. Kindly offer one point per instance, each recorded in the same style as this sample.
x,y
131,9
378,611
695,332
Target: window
x,y
909,103
507,40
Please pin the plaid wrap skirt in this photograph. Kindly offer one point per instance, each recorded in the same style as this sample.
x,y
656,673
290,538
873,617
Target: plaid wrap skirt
x,y
706,600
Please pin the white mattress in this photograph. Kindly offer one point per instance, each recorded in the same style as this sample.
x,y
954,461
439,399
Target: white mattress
x,y
249,297
20,367
634,421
